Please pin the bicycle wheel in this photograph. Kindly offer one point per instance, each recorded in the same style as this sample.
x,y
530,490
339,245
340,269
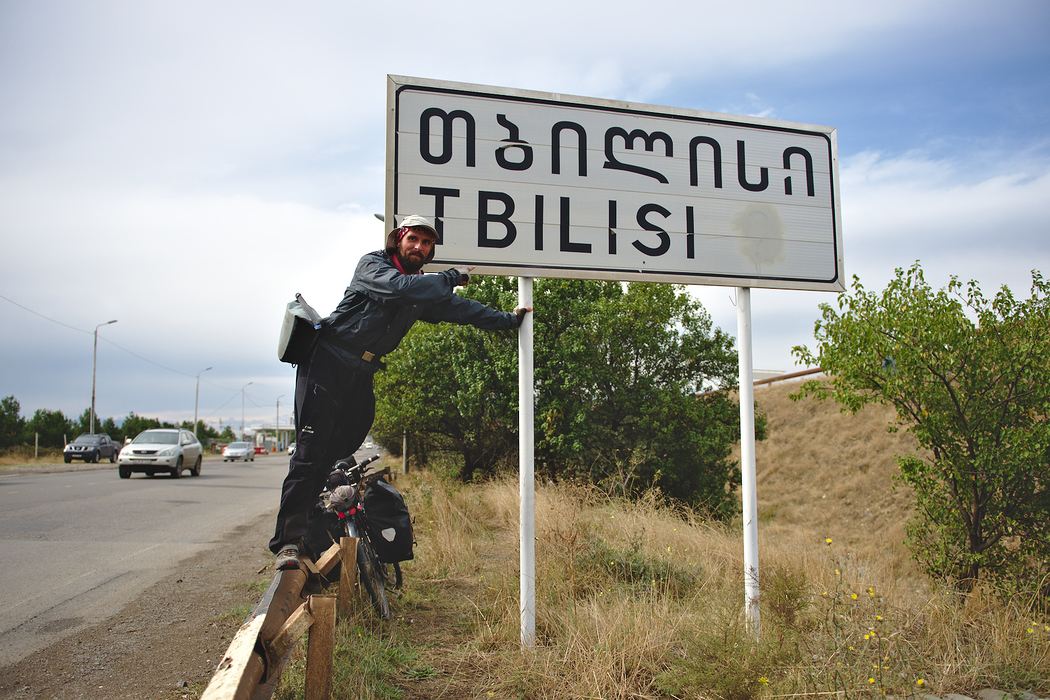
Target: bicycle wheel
x,y
372,574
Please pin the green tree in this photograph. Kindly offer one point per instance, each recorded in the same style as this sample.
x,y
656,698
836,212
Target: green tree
x,y
135,424
970,378
83,424
617,370
203,432
109,427
12,424
455,389
51,428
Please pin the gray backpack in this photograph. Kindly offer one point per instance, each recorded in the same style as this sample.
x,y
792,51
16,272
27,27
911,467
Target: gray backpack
x,y
298,331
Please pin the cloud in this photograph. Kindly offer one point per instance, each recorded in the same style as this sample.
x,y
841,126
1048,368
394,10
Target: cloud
x,y
916,208
187,167
955,217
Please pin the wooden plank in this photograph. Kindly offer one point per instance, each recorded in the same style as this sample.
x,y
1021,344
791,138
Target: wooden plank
x,y
348,574
310,565
288,636
286,598
320,648
329,559
231,671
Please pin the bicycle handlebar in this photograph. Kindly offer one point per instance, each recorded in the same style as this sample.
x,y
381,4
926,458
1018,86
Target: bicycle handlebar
x,y
351,466
346,477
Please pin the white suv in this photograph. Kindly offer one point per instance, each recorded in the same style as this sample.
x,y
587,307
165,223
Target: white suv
x,y
161,450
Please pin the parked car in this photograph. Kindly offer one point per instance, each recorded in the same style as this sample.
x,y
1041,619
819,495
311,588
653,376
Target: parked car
x,y
161,450
91,448
291,449
238,450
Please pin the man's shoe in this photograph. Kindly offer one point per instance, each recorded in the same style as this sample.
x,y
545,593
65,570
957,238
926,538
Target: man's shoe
x,y
287,558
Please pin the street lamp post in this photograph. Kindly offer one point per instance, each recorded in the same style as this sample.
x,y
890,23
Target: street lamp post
x,y
94,362
242,407
196,400
277,422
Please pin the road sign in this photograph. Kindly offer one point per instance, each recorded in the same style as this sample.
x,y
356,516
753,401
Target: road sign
x,y
543,185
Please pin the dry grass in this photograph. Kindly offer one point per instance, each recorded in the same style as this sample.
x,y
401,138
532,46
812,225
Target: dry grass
x,y
25,456
823,473
635,600
638,601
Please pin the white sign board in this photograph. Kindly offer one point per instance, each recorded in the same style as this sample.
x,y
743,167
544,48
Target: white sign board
x,y
543,185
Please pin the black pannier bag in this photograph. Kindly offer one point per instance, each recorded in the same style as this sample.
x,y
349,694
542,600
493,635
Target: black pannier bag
x,y
389,522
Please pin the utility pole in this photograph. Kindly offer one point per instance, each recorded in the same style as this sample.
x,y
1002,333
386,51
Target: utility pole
x,y
242,407
277,424
94,361
196,400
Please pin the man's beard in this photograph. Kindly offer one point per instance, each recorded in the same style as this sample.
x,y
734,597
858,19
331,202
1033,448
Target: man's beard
x,y
411,265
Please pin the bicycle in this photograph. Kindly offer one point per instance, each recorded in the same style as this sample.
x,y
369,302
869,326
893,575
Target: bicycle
x,y
343,496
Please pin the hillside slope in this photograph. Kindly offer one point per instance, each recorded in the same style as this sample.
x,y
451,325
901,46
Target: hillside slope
x,y
824,474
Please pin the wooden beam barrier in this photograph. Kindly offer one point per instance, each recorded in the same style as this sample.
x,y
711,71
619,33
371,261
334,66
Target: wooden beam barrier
x,y
240,670
255,658
244,665
286,599
297,624
770,380
320,648
329,559
347,574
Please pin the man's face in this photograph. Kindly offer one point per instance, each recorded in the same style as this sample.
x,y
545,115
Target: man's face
x,y
414,248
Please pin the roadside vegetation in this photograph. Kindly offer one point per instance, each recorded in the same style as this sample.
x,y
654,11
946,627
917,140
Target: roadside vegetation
x,y
618,370
48,429
26,456
969,378
907,561
636,599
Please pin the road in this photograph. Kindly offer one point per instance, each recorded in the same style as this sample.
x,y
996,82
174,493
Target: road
x,y
75,547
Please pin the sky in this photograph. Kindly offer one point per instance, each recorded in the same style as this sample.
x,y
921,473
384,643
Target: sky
x,y
184,168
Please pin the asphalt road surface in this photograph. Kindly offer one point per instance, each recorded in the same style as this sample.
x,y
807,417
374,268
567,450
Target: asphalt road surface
x,y
75,547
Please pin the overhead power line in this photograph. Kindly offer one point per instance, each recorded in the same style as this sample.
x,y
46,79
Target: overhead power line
x,y
46,318
104,339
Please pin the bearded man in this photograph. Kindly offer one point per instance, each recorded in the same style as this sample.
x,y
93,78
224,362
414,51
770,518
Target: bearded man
x,y
334,399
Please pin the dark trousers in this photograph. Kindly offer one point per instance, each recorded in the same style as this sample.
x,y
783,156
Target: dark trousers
x,y
334,410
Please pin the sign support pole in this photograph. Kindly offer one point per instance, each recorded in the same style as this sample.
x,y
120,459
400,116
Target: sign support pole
x,y
526,468
748,479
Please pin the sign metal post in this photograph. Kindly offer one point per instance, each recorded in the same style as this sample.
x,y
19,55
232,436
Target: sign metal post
x,y
748,491
526,465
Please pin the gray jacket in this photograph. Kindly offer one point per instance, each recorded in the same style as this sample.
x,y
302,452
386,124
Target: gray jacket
x,y
381,304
